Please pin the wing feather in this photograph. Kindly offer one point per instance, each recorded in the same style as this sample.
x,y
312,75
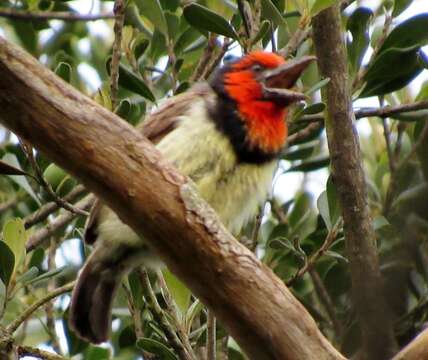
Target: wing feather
x,y
155,127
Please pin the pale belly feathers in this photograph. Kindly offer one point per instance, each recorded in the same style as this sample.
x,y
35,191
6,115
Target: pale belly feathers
x,y
235,190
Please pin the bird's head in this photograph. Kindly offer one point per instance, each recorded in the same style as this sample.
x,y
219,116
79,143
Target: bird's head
x,y
259,85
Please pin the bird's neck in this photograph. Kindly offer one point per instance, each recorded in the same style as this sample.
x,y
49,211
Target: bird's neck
x,y
256,130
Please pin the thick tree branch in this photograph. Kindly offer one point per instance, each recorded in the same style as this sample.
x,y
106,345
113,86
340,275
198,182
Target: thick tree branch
x,y
416,350
47,15
119,165
348,176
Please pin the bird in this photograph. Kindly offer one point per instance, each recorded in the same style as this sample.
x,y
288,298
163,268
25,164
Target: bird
x,y
226,135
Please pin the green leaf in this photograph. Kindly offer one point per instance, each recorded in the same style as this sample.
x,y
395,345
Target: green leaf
x,y
97,353
63,70
320,5
12,160
333,202
3,293
358,24
409,35
173,24
6,169
140,46
300,153
317,86
204,19
271,12
29,275
313,108
336,255
400,6
152,10
185,39
391,71
47,275
132,82
179,292
157,348
15,236
264,29
123,109
54,175
322,205
310,165
136,290
7,263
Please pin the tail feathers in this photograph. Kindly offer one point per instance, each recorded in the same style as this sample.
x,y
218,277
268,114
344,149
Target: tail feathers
x,y
92,301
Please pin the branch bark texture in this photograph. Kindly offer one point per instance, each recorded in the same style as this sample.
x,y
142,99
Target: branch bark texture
x,y
124,169
368,296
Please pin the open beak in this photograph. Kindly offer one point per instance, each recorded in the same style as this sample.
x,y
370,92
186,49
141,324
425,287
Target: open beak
x,y
277,82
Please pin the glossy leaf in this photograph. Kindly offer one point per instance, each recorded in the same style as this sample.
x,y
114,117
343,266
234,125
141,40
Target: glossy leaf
x,y
271,12
6,169
317,86
310,165
63,70
358,24
391,71
15,236
205,19
7,263
132,82
179,292
409,35
152,10
12,160
157,348
400,6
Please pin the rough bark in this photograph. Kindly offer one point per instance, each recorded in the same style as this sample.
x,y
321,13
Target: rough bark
x,y
416,350
367,286
120,166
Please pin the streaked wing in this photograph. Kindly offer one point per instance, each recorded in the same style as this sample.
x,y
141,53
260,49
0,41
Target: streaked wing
x,y
155,127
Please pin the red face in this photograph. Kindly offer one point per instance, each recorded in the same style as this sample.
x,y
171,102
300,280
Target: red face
x,y
265,119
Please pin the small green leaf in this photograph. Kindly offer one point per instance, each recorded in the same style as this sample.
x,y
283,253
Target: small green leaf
x,y
313,108
264,29
185,39
157,348
12,160
6,169
123,109
97,353
173,24
317,86
335,255
54,175
358,24
132,82
311,165
3,293
29,275
152,11
205,19
322,205
179,292
7,263
271,12
320,5
409,35
136,290
15,236
63,70
400,6
300,153
140,46
47,275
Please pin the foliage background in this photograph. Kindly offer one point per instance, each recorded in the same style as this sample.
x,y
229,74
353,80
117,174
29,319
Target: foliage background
x,y
167,45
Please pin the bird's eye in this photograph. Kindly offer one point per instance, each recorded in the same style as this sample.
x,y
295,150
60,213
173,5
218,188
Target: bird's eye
x,y
257,68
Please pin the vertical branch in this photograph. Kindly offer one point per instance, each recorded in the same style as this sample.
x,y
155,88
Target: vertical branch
x,y
119,12
211,336
348,175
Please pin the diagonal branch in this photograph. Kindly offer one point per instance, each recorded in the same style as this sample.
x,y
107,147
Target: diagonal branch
x,y
119,165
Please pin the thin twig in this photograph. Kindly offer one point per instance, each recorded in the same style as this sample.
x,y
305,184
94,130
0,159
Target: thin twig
x,y
24,351
205,59
256,229
309,264
119,12
161,319
47,15
50,207
326,301
62,220
298,37
173,311
244,18
387,136
8,204
215,61
42,181
14,325
211,336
